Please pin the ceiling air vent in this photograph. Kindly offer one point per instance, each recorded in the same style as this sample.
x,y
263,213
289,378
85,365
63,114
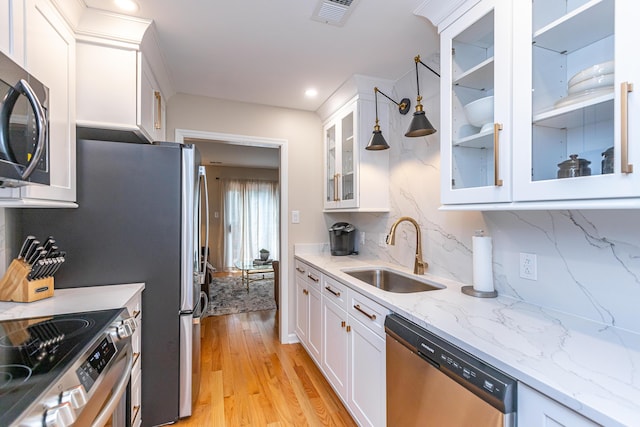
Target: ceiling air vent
x,y
333,12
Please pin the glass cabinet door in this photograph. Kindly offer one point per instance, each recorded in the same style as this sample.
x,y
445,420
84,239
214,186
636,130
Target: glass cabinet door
x,y
572,84
331,177
476,99
347,155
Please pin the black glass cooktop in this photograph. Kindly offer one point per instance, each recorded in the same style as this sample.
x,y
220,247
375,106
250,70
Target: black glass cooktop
x,y
35,352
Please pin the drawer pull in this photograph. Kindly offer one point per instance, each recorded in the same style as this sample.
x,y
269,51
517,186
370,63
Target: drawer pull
x,y
332,291
312,277
343,324
306,292
349,328
136,356
370,316
300,270
136,313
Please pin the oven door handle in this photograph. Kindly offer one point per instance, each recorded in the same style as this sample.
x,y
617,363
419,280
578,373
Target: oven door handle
x,y
117,393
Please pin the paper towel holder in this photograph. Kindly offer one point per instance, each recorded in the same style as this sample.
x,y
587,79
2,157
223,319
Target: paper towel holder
x,y
471,290
468,290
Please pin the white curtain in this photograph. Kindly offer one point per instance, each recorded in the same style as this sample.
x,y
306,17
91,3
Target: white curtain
x,y
251,216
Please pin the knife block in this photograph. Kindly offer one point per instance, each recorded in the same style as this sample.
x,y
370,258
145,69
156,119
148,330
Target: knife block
x,y
14,285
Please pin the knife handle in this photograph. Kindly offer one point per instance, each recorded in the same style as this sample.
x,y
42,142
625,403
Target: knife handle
x,y
25,246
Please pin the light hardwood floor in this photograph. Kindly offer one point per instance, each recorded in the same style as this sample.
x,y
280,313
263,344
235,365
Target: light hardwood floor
x,y
250,379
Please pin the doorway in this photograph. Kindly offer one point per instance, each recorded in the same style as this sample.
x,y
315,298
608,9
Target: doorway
x,y
256,144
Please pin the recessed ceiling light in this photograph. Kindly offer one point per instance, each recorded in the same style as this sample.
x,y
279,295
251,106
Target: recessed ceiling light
x,y
127,5
311,93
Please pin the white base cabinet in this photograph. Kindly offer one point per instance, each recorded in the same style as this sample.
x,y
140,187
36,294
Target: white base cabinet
x,y
537,410
134,306
308,309
352,350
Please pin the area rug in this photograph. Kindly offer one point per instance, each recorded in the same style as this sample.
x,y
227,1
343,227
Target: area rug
x,y
228,295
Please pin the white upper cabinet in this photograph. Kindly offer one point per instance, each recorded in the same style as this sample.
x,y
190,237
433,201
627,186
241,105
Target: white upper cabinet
x,y
562,78
573,79
476,105
49,55
118,89
355,179
12,29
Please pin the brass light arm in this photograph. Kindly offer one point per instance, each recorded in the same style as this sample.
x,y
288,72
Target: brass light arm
x,y
419,265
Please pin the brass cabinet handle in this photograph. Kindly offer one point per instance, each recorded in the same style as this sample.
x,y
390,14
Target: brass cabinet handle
x,y
349,328
370,316
332,291
306,292
136,313
158,122
312,277
497,127
343,324
299,270
135,357
136,411
336,178
625,166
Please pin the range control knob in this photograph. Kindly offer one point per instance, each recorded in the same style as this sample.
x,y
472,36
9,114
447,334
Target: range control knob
x,y
75,396
61,415
124,328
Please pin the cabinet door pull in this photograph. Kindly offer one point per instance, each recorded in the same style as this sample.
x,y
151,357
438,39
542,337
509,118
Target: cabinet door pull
x,y
625,166
312,277
497,127
306,292
349,328
370,316
336,187
343,324
299,270
332,291
158,96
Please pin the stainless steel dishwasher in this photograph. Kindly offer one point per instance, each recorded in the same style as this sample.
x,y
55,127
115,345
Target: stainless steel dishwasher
x,y
430,382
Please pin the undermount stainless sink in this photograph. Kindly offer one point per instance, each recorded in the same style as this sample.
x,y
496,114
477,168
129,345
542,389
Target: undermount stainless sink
x,y
392,281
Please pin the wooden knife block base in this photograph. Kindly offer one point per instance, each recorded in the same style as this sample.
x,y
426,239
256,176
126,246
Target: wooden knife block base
x,y
14,286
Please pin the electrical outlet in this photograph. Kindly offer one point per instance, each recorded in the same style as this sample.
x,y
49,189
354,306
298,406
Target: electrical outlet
x,y
528,266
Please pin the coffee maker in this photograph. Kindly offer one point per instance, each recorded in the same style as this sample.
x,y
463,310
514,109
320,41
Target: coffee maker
x,y
342,236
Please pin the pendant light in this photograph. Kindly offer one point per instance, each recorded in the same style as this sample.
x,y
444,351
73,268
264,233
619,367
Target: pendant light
x,y
420,124
377,141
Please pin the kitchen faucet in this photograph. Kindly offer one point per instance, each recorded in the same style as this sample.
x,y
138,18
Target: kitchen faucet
x,y
419,266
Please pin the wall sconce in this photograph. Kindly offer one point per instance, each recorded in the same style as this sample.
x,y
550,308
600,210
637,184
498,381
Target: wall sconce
x,y
420,125
377,141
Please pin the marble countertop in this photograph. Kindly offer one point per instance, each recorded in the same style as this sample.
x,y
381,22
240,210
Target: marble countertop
x,y
589,367
72,301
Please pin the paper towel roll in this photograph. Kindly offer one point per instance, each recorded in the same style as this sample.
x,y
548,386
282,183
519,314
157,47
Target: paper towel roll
x,y
482,264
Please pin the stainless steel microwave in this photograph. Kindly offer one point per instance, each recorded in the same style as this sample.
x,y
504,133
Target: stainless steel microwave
x,y
24,127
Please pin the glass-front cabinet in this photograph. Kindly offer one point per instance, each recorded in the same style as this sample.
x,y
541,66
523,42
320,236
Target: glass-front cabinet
x,y
356,180
476,104
340,166
574,70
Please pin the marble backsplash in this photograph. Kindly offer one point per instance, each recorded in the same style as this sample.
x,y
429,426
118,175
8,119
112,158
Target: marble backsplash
x,y
588,262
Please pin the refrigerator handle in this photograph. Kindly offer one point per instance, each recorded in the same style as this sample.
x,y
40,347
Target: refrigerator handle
x,y
203,177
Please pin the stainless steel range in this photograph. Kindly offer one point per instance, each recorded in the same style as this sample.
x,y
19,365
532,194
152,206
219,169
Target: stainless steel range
x,y
63,370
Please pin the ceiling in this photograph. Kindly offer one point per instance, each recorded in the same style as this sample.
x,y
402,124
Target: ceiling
x,y
270,51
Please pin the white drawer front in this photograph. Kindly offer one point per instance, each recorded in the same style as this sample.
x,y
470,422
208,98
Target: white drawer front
x,y
335,292
369,312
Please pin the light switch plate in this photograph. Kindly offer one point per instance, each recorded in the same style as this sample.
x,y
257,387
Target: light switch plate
x,y
295,217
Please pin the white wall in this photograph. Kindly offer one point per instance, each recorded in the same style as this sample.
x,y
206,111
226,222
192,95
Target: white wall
x,y
303,132
588,261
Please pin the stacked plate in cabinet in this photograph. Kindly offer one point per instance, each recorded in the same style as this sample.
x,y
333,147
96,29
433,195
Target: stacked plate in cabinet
x,y
591,82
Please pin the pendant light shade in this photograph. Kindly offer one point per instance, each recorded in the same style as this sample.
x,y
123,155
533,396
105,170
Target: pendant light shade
x,y
420,124
377,141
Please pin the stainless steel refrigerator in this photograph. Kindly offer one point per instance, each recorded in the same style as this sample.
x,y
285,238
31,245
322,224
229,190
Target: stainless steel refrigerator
x,y
139,220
